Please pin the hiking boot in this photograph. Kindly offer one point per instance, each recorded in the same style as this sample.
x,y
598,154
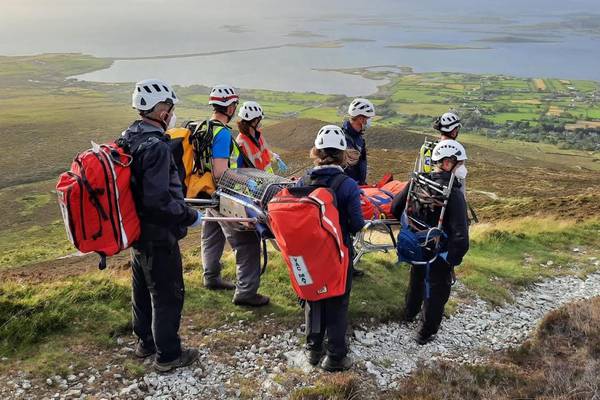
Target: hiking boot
x,y
424,338
357,273
331,365
256,300
219,284
142,351
408,318
314,356
187,357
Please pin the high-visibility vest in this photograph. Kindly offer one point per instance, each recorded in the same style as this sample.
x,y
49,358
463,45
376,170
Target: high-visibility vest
x,y
256,151
234,152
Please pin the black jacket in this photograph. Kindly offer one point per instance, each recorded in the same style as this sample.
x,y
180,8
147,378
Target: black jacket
x,y
156,187
357,142
455,219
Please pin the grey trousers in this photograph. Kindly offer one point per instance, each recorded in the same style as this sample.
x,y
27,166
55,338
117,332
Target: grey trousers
x,y
246,247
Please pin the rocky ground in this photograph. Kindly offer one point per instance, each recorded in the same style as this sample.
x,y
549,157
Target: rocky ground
x,y
383,354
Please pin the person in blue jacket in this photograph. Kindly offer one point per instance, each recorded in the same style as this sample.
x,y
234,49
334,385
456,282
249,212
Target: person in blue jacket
x,y
330,316
157,272
360,113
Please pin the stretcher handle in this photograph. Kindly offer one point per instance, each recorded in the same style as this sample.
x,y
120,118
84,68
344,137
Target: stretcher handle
x,y
230,219
202,202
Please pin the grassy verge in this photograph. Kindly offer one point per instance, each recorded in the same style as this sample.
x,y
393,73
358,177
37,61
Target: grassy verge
x,y
33,244
562,361
511,254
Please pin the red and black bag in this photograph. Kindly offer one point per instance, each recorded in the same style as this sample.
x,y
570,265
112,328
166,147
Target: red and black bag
x,y
306,225
96,201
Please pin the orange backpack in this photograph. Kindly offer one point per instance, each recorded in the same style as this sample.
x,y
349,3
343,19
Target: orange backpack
x,y
306,225
376,202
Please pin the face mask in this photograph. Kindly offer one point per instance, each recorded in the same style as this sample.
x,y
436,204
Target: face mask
x,y
368,124
172,122
461,172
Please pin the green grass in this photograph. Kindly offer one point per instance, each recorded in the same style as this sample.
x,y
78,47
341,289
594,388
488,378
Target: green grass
x,y
33,202
30,314
93,309
502,118
36,243
508,255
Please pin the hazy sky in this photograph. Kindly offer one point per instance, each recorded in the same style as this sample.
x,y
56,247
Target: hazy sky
x,y
114,27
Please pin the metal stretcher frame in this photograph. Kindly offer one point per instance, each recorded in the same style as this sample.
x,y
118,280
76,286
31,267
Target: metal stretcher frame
x,y
363,244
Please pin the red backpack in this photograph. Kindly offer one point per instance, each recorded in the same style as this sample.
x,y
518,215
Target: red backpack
x,y
96,201
306,225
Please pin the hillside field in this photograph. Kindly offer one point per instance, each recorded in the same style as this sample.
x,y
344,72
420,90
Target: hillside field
x,y
536,201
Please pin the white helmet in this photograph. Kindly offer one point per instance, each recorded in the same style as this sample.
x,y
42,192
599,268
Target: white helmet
x,y
148,93
331,136
361,107
448,148
250,110
449,121
223,95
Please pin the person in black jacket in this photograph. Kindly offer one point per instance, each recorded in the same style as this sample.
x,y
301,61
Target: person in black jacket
x,y
446,156
360,113
330,316
157,285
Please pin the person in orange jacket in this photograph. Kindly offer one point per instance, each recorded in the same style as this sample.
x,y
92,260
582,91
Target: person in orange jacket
x,y
251,141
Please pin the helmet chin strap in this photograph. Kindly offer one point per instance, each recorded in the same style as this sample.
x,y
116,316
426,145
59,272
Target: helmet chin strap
x,y
229,116
161,122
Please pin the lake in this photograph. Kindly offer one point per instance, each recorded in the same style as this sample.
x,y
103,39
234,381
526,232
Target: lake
x,y
275,45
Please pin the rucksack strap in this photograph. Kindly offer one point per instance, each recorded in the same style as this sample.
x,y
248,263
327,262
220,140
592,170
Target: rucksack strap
x,y
245,158
337,181
265,256
331,182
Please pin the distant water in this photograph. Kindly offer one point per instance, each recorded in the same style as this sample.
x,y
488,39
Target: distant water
x,y
537,38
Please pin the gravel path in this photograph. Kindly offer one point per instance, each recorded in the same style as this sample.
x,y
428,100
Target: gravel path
x,y
390,352
386,352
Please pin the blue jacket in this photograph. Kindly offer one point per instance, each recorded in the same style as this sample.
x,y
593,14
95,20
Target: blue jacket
x,y
347,197
157,190
356,141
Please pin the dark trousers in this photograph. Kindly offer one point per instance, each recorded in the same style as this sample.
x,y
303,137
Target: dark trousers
x,y
157,298
329,316
440,283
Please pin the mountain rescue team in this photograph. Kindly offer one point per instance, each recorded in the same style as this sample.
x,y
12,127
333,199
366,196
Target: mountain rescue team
x,y
338,154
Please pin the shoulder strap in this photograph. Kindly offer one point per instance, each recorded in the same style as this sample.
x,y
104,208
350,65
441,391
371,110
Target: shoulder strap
x,y
145,140
337,181
247,162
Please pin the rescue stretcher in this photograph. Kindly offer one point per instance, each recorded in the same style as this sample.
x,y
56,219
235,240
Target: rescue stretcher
x,y
374,237
242,197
